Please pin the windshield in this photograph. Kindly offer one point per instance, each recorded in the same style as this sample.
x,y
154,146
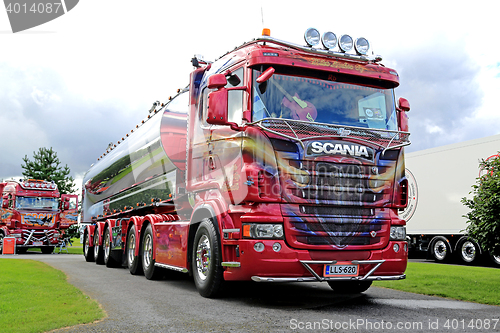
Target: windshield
x,y
37,203
322,101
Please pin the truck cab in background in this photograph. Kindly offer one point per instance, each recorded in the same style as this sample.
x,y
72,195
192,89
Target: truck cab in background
x,y
34,212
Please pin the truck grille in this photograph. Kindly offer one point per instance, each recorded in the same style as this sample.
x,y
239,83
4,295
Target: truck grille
x,y
339,207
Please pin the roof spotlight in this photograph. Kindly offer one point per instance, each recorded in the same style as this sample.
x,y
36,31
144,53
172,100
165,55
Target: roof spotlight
x,y
361,46
345,43
312,36
329,40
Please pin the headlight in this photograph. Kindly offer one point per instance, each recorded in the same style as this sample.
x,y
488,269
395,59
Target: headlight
x,y
311,36
329,40
345,43
398,233
260,230
361,46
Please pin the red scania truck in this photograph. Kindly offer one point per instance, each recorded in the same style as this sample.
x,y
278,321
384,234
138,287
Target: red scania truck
x,y
34,212
278,162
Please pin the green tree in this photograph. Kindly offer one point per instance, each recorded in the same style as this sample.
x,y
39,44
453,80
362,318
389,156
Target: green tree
x,y
484,217
46,166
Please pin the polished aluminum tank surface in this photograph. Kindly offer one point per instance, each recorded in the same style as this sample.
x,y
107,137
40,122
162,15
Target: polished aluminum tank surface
x,y
147,165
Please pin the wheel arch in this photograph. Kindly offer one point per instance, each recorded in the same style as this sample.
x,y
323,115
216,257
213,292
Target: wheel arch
x,y
201,212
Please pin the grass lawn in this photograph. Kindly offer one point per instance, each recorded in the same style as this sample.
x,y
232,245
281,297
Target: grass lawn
x,y
466,283
35,297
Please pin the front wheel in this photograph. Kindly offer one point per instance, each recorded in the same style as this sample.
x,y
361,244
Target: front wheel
x,y
88,251
206,260
349,287
151,272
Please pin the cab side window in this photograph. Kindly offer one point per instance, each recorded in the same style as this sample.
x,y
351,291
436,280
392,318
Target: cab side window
x,y
235,97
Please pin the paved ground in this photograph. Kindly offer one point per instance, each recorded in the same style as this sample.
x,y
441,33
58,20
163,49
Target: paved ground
x,y
135,304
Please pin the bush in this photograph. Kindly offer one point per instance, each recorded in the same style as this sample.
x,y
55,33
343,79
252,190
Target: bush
x,y
483,221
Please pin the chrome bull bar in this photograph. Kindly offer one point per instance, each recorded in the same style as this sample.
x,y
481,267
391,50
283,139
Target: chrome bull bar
x,y
316,278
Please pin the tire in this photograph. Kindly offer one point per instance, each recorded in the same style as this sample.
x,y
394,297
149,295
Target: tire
x,y
88,251
206,260
98,252
440,250
495,260
468,251
47,249
109,259
151,272
1,242
134,263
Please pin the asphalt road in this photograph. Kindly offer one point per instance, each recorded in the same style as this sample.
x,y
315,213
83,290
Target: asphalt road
x,y
135,304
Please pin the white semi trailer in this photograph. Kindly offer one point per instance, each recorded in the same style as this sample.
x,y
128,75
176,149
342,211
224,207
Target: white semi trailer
x,y
438,179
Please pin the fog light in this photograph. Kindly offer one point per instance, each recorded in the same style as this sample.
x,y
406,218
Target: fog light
x,y
259,247
277,247
395,247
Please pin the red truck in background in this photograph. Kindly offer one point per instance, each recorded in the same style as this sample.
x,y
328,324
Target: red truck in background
x,y
278,162
34,212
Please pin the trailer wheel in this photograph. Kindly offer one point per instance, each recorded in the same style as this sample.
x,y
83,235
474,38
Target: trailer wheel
x,y
440,250
495,259
98,252
88,251
109,260
206,262
349,287
151,272
133,261
468,251
1,242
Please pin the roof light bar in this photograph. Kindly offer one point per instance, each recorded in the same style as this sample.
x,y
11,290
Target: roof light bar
x,y
330,41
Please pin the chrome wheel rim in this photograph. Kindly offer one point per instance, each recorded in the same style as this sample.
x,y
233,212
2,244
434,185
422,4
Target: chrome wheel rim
x,y
203,257
107,246
96,244
468,251
440,250
148,250
131,248
86,245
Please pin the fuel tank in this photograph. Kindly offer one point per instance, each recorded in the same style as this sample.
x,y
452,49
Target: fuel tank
x,y
148,164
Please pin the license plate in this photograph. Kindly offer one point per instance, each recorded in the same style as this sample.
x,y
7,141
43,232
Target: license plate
x,y
340,269
37,243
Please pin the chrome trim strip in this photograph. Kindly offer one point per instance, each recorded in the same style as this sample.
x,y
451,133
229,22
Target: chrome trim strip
x,y
312,279
230,230
231,264
174,268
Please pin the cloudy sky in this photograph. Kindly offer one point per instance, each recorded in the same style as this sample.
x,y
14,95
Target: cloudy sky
x,y
85,79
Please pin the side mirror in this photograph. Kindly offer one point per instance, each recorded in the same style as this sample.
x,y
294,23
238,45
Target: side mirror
x,y
403,104
266,75
217,107
217,81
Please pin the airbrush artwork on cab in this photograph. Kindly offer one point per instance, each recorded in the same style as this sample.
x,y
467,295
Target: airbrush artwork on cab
x,y
278,162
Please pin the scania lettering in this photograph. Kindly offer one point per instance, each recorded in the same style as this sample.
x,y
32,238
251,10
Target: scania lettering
x,y
278,162
34,212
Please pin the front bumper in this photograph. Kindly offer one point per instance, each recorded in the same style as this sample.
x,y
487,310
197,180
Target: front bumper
x,y
292,265
317,278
